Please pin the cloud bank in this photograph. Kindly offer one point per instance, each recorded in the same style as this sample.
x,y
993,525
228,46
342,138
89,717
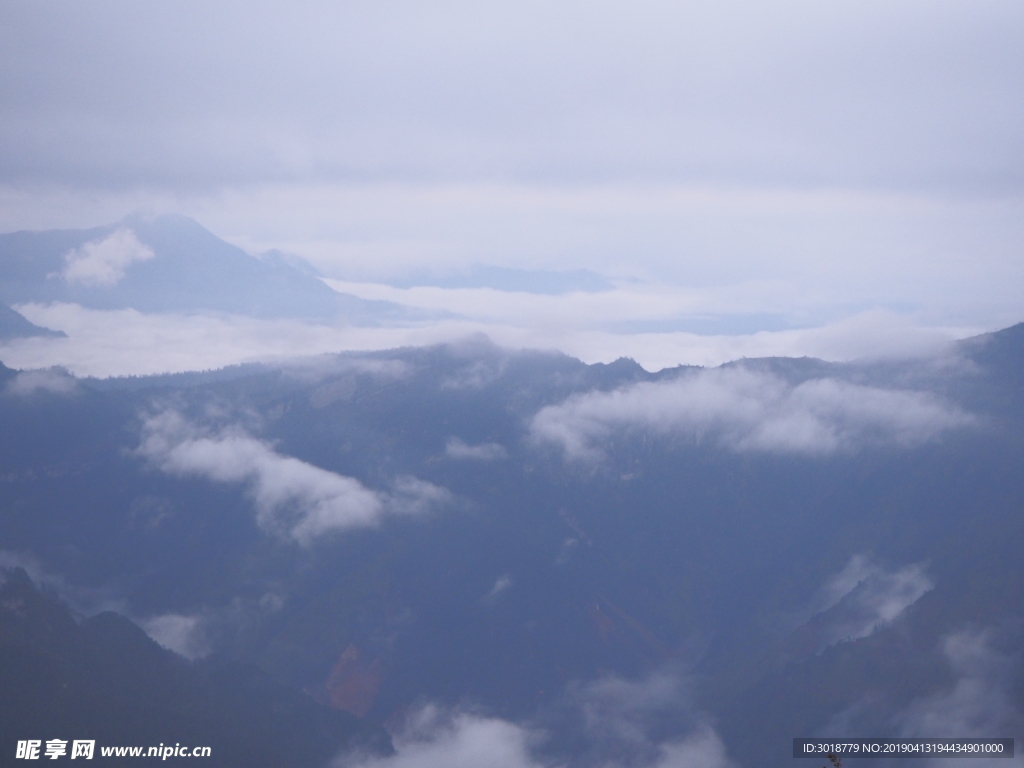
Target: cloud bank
x,y
747,411
981,702
85,600
103,262
865,596
721,147
249,92
457,449
293,498
55,380
182,634
434,738
643,723
128,342
613,722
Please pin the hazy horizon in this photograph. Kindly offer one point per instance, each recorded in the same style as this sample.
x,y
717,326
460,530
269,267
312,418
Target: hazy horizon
x,y
440,522
748,181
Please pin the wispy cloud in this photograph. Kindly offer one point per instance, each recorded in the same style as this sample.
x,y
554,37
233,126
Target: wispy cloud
x,y
457,449
980,703
128,342
103,262
748,410
614,723
55,380
648,722
86,600
182,634
501,585
436,738
863,597
293,498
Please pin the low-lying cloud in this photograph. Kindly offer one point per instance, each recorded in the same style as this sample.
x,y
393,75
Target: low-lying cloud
x,y
648,722
182,634
82,599
457,449
981,702
104,262
128,342
611,722
293,498
434,738
748,411
54,380
863,597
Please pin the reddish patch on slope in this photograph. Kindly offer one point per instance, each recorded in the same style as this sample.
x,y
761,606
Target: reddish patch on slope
x,y
354,682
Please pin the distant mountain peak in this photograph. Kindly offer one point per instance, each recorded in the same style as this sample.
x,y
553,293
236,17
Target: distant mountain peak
x,y
14,325
171,263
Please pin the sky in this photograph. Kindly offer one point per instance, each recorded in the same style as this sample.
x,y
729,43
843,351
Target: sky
x,y
760,169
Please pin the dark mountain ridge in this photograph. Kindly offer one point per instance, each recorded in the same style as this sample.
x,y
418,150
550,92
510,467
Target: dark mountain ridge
x,y
171,264
14,325
104,679
668,549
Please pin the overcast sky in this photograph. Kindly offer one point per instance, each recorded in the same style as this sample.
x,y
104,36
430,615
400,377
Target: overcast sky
x,y
808,160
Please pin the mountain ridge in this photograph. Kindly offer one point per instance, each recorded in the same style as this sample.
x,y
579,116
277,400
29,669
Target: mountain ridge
x,y
171,264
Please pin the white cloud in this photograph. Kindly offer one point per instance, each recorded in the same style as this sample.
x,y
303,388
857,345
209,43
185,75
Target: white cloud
x,y
843,583
457,449
103,262
411,496
182,634
293,498
501,585
747,410
56,380
730,149
658,90
620,709
702,749
434,738
865,596
875,333
85,600
128,342
613,719
643,723
980,704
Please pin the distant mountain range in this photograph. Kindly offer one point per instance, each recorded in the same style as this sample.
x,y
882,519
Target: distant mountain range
x,y
172,264
769,549
14,325
104,680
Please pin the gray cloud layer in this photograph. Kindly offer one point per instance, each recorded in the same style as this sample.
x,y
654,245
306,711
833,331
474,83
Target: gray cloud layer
x,y
614,721
789,165
748,410
188,93
55,380
293,498
981,702
865,596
